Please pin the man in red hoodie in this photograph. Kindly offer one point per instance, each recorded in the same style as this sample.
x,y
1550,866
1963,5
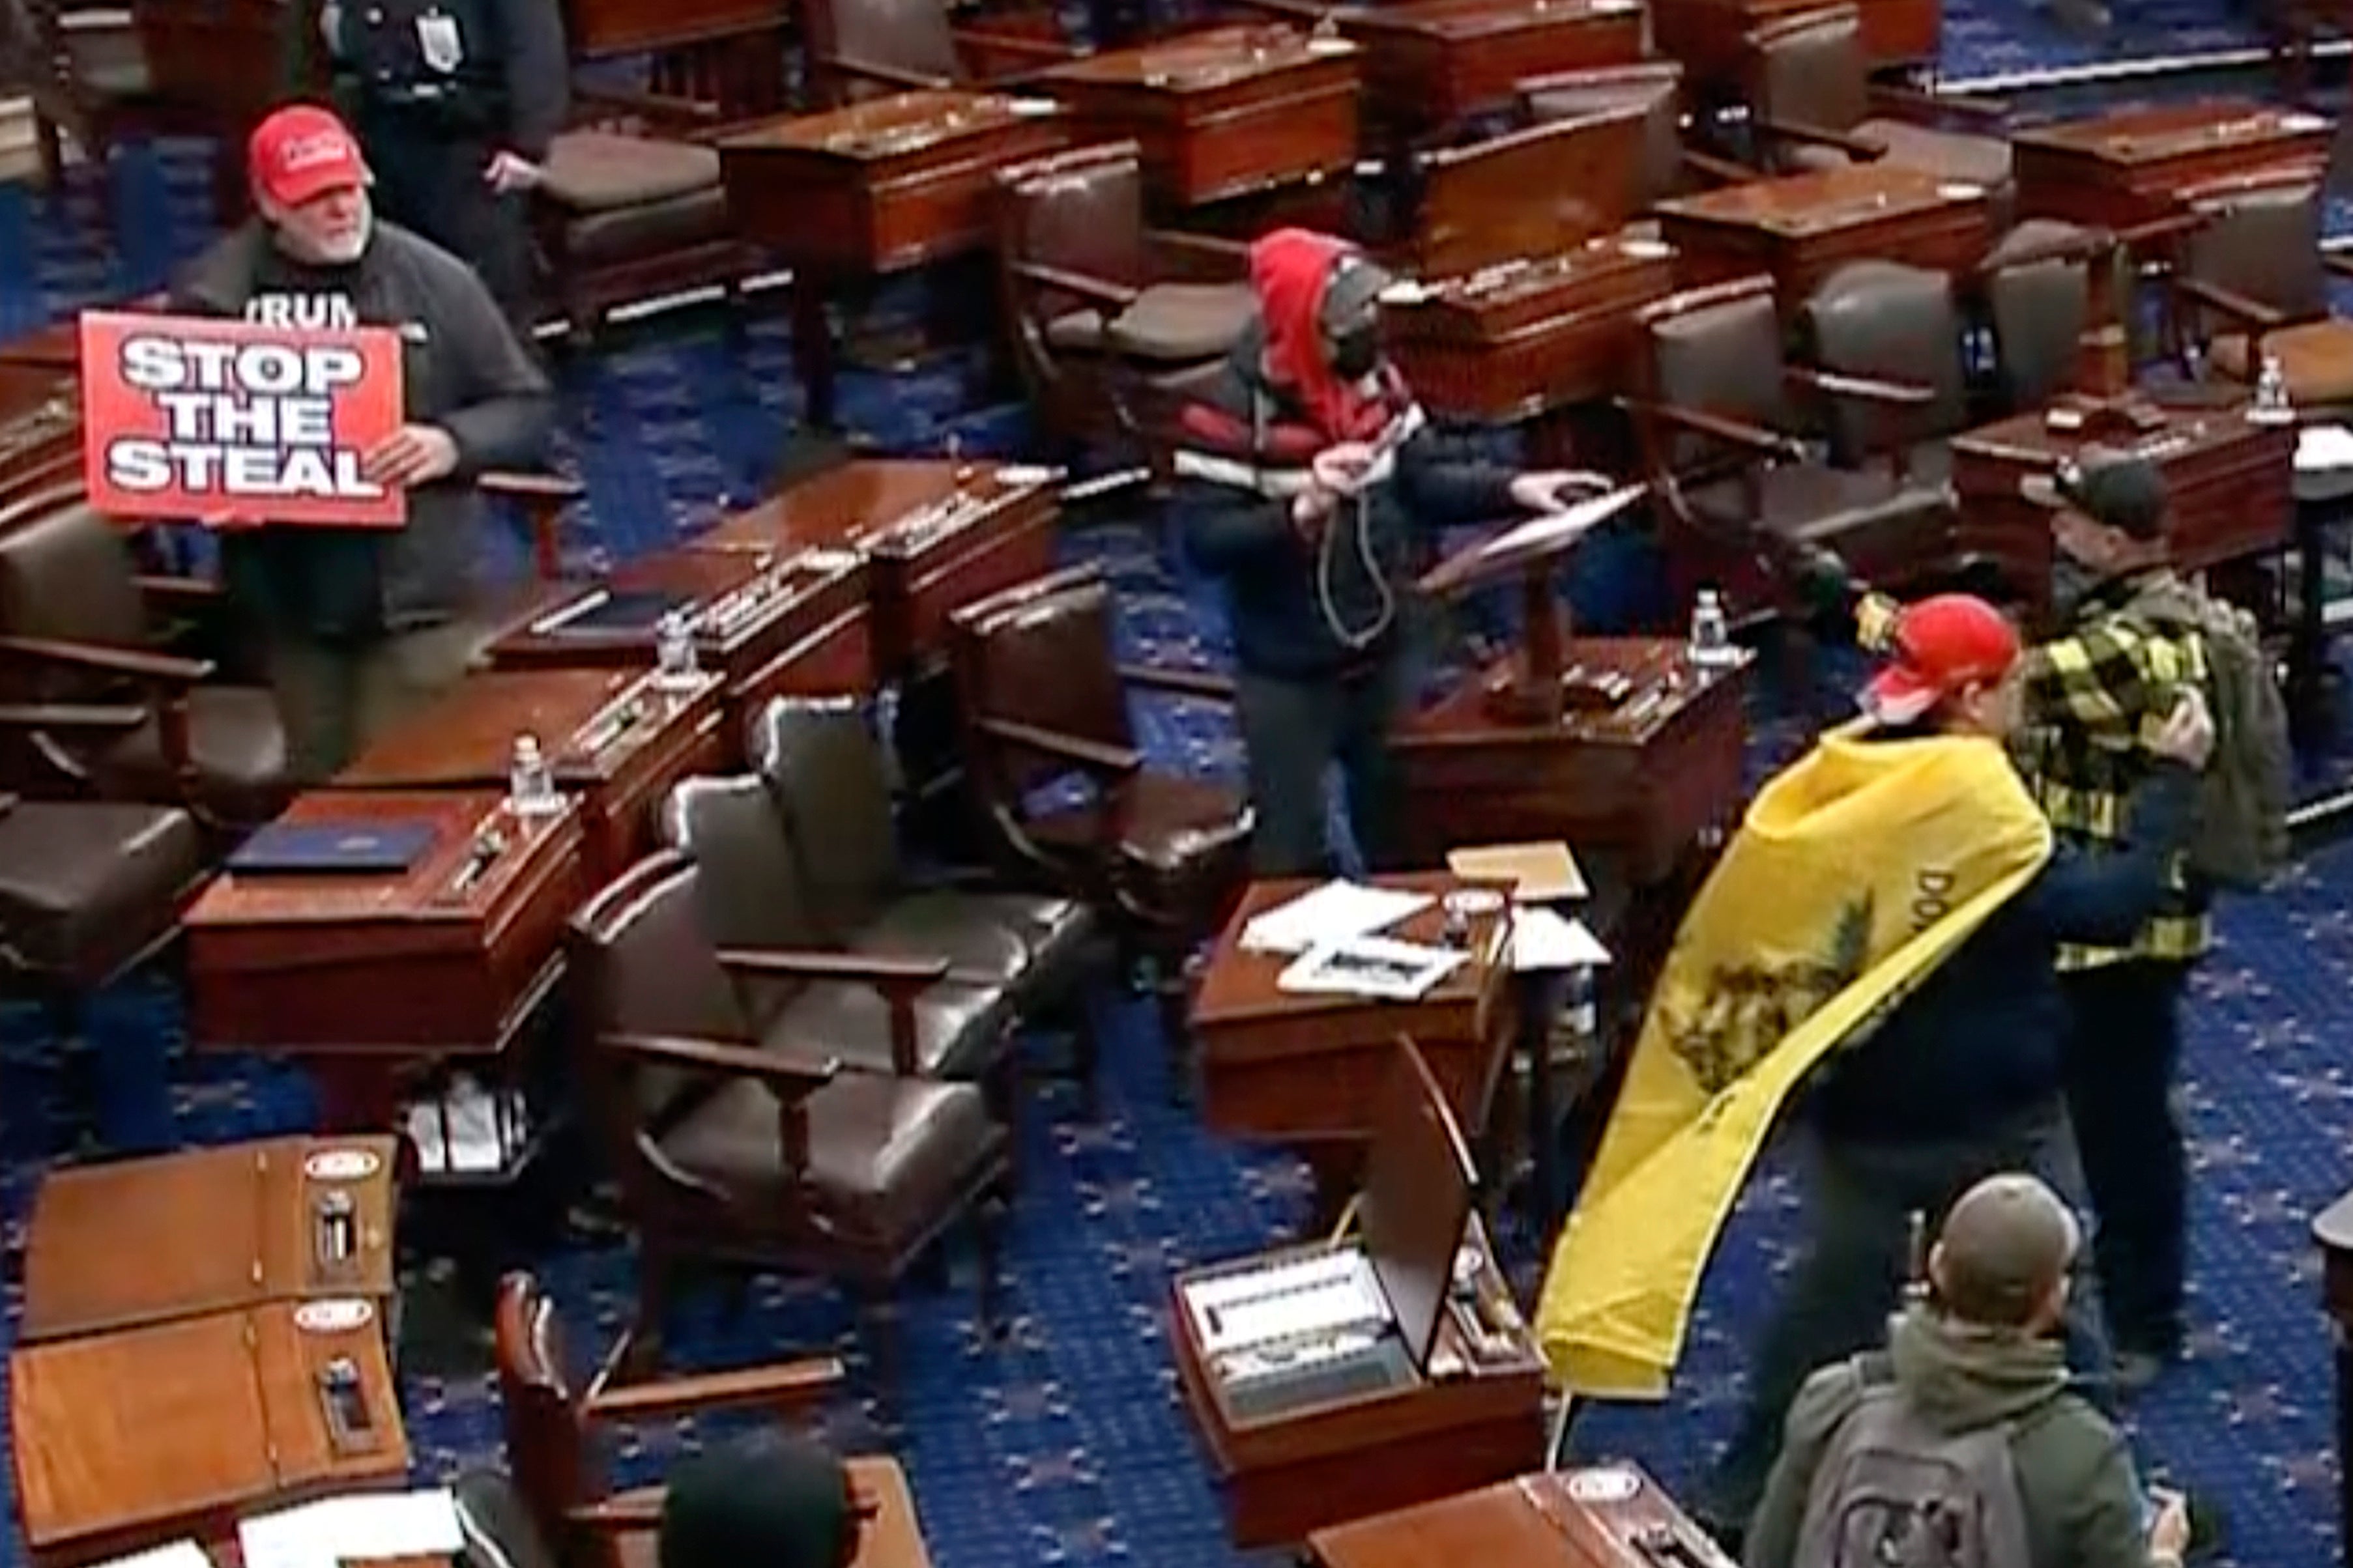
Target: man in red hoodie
x,y
1313,478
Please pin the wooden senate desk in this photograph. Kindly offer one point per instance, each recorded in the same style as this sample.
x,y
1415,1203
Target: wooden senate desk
x,y
125,1440
1600,1516
1307,1070
1222,114
1432,63
143,1241
2131,167
365,975
934,536
771,623
41,428
1523,197
2231,482
874,188
2333,1231
1709,36
1801,227
1644,762
616,741
1525,338
1366,1373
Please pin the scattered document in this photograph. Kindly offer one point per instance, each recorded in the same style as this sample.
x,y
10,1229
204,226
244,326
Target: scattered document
x,y
469,1130
177,1554
362,1526
1370,966
1538,873
1543,941
2324,463
1336,911
1568,523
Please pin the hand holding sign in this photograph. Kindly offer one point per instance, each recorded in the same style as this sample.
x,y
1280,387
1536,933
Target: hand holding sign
x,y
412,455
231,422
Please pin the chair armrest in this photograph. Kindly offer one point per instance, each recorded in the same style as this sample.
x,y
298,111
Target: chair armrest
x,y
1114,762
618,1516
886,76
792,1078
1099,291
980,40
86,718
1909,103
1198,257
2338,262
1751,438
182,593
2173,226
1180,682
2252,314
801,964
661,111
1861,151
136,663
790,1386
1726,170
1865,389
542,497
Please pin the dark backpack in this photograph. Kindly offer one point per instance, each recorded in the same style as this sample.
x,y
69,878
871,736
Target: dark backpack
x,y
1894,1493
2241,836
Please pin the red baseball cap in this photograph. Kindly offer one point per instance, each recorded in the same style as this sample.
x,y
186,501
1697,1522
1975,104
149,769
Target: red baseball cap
x,y
1942,645
301,153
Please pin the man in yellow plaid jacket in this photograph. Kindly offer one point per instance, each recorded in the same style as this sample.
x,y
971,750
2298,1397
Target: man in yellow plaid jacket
x,y
2094,698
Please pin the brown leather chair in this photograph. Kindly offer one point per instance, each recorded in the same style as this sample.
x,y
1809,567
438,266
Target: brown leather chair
x,y
557,1423
865,48
733,1141
1813,105
1099,302
2043,288
1740,493
78,625
1654,89
1043,704
826,769
2250,281
1884,324
906,1010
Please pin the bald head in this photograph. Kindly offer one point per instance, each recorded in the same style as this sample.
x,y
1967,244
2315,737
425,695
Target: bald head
x,y
2002,1257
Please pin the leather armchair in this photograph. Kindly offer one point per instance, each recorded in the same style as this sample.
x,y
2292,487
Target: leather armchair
x,y
826,770
2250,281
1654,89
2042,290
866,48
1161,857
1813,105
1887,325
734,1139
1741,493
78,626
1102,306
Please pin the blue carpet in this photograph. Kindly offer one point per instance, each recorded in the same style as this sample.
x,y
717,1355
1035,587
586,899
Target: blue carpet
x,y
1067,1443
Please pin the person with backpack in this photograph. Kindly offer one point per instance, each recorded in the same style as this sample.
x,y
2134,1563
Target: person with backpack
x,y
1963,1076
2131,636
1960,1445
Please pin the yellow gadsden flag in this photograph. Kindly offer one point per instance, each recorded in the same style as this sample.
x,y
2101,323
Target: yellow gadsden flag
x,y
1855,873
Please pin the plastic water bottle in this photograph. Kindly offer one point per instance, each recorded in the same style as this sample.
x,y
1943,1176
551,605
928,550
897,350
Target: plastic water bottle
x,y
1711,634
674,662
531,785
2270,405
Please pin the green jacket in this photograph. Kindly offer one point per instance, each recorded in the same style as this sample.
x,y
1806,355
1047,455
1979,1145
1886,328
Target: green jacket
x,y
2076,1477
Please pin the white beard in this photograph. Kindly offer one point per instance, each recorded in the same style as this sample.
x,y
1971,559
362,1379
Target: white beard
x,y
346,251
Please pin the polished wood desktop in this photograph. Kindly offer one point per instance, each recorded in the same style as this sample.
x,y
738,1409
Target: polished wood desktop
x,y
126,1440
1645,762
616,741
2332,1231
1224,112
1528,337
2119,170
367,976
935,536
1802,227
132,1242
41,428
1309,1068
1524,196
2231,482
1433,63
770,623
1595,1516
1710,37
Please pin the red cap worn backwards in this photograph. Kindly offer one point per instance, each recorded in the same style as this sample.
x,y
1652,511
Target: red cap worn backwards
x,y
1942,645
301,152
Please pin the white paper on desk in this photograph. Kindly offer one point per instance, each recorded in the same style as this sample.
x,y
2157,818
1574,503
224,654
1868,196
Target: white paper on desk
x,y
1336,911
363,1526
177,1554
1370,966
1543,941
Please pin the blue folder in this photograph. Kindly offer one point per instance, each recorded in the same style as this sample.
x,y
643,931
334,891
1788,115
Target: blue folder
x,y
334,849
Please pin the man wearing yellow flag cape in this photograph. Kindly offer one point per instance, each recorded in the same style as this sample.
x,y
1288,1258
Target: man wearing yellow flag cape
x,y
1889,914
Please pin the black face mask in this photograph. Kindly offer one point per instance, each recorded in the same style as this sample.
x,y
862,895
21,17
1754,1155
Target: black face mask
x,y
1355,356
